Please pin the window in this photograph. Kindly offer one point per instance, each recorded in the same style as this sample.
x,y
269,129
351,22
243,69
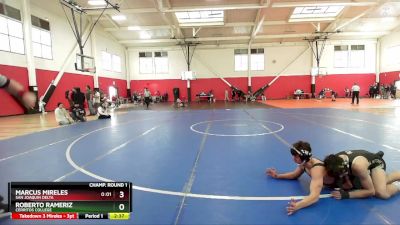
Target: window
x,y
41,38
161,62
315,13
341,56
11,32
106,60
204,17
111,62
145,62
357,56
241,60
353,57
392,55
257,59
116,63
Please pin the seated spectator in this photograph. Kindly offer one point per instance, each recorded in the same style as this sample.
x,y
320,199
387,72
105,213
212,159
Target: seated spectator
x,y
62,116
263,98
333,95
179,103
102,111
298,92
78,114
322,94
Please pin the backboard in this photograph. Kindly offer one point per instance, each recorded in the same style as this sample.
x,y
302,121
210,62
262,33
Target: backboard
x,y
188,75
85,63
319,71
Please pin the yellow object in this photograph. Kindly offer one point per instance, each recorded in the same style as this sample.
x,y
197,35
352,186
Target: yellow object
x,y
119,216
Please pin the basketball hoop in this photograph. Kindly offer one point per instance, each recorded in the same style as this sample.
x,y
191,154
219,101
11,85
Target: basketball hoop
x,y
90,70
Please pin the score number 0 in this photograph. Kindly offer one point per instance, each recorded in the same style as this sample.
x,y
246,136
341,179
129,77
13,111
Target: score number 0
x,y
121,206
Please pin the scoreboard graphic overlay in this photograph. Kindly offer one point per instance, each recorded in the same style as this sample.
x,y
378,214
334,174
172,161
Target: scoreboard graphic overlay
x,y
70,200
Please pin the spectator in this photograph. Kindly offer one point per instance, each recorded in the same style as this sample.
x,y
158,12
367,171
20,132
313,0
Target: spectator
x,y
356,93
68,96
179,103
78,114
102,111
263,98
62,116
78,97
226,95
89,99
96,100
346,92
147,97
322,94
333,95
41,105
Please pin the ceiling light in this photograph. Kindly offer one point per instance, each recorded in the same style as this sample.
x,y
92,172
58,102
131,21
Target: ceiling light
x,y
134,28
97,2
367,27
297,20
314,12
119,17
203,17
145,35
201,24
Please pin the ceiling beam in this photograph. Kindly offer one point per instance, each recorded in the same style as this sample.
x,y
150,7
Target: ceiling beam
x,y
139,28
109,19
397,28
184,9
176,31
218,7
244,38
239,24
323,3
124,11
370,9
259,20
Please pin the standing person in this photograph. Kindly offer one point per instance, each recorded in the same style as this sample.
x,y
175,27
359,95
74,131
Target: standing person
x,y
333,95
28,99
346,92
226,95
301,152
147,96
78,98
41,105
96,100
89,99
369,167
62,116
68,96
355,93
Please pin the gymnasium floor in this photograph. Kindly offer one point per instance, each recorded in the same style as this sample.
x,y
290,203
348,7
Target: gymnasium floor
x,y
205,164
